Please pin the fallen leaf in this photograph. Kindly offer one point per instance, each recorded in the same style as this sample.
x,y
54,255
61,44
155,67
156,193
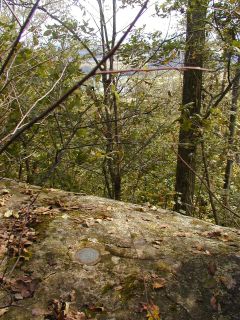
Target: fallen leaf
x,y
25,286
157,243
153,312
15,214
42,210
3,311
200,247
208,253
151,309
27,191
18,296
8,213
59,203
181,234
3,249
159,283
117,288
4,191
214,234
225,237
213,302
154,208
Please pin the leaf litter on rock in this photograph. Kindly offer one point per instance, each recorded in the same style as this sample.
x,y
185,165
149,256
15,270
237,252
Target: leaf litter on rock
x,y
152,311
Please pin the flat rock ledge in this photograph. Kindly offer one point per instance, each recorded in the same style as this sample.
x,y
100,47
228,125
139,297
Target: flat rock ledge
x,y
95,258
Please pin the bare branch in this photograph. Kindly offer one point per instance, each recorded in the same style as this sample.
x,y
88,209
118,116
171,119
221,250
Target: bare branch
x,y
184,68
12,12
23,28
39,99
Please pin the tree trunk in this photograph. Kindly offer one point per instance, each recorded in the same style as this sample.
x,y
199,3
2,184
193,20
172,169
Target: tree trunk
x,y
191,106
232,128
112,164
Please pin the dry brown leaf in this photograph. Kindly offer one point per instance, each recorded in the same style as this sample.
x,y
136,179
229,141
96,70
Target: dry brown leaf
x,y
4,191
200,247
181,234
159,283
214,234
3,249
41,210
208,253
8,213
28,191
154,208
18,296
152,310
3,311
225,237
25,286
117,288
157,243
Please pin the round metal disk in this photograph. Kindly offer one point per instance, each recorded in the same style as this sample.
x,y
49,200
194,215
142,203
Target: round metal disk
x,y
88,256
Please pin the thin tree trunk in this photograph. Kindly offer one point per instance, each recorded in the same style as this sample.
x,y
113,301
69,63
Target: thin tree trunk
x,y
191,106
112,164
232,129
214,210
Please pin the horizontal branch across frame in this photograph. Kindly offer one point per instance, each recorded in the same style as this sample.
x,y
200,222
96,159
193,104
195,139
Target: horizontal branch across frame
x,y
184,68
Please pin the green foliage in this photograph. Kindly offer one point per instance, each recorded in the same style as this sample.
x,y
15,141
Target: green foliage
x,y
148,47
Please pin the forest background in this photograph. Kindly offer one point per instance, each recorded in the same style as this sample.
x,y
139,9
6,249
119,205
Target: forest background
x,y
165,131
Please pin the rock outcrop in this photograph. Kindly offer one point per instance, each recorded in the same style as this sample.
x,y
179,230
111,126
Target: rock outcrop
x,y
72,256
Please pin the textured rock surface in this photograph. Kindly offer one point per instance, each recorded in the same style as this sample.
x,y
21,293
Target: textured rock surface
x,y
142,257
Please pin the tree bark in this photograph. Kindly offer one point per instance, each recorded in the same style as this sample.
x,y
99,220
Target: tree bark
x,y
191,106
